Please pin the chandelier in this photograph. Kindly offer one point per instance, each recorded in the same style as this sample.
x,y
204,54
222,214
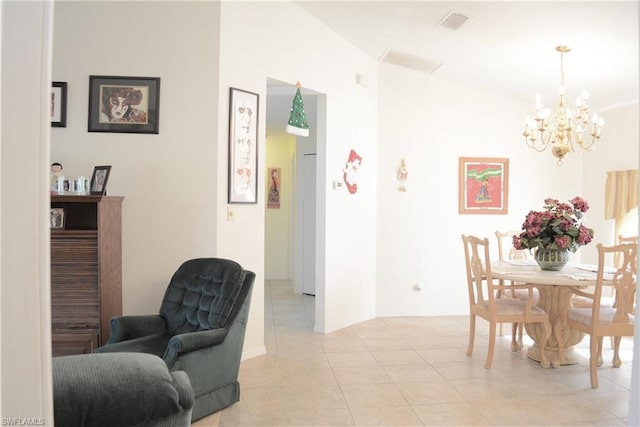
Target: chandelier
x,y
563,129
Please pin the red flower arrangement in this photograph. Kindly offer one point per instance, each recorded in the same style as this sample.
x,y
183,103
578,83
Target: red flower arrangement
x,y
557,227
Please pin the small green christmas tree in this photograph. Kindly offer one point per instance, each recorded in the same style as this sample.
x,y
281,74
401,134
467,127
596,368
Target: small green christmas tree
x,y
298,120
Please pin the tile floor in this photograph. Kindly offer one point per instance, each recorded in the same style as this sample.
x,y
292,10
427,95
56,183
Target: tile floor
x,y
411,372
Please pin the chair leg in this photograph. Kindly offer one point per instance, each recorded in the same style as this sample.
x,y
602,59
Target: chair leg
x,y
492,345
616,355
593,360
600,359
472,333
520,329
516,343
544,361
499,294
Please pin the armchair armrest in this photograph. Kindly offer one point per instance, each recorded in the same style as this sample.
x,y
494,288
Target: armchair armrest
x,y
128,327
185,343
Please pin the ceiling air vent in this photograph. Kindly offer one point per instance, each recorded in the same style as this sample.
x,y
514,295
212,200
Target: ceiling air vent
x,y
452,20
410,61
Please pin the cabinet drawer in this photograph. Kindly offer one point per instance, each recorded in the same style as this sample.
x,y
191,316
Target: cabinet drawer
x,y
68,344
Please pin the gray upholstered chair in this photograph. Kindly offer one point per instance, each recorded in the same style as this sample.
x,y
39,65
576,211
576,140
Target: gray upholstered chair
x,y
200,329
119,389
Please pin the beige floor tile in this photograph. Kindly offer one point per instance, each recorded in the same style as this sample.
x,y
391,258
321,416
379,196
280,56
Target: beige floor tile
x,y
306,416
512,412
571,409
398,357
451,414
532,387
269,376
428,393
343,346
303,376
428,342
368,374
324,396
299,345
382,344
436,355
373,395
617,403
359,358
386,416
483,389
412,373
462,370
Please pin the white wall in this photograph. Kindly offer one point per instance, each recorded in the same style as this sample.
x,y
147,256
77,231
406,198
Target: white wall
x,y
169,180
617,150
286,44
25,310
431,123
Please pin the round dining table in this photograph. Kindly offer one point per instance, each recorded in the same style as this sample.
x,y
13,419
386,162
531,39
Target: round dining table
x,y
553,299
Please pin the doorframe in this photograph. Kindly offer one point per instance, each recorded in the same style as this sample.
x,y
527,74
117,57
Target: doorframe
x,y
317,123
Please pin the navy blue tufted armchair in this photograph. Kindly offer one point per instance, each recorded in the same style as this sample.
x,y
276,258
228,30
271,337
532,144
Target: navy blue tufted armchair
x,y
200,329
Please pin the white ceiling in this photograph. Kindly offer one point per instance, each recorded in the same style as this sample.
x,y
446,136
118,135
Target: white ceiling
x,y
506,47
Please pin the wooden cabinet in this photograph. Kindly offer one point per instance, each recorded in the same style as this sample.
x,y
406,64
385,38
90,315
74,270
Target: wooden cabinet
x,y
86,272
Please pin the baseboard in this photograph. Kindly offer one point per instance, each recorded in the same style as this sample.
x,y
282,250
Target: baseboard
x,y
253,352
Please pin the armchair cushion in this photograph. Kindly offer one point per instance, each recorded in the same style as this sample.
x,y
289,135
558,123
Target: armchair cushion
x,y
120,389
201,295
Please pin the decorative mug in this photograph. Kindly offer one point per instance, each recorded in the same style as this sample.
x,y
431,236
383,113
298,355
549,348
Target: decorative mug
x,y
78,185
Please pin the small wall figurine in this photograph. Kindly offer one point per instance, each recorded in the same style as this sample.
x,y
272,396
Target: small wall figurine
x,y
351,171
403,173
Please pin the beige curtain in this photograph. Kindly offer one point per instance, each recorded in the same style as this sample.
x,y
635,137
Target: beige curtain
x,y
621,195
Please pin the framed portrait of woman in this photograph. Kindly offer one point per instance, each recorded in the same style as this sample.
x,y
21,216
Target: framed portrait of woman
x,y
124,104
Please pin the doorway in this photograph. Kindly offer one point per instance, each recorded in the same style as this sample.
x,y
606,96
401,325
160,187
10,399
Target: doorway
x,y
292,235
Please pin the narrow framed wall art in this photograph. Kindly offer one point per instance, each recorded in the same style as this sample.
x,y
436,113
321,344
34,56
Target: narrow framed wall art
x,y
243,150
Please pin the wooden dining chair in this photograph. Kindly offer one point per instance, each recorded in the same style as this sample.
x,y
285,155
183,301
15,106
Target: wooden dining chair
x,y
483,302
608,300
506,238
599,321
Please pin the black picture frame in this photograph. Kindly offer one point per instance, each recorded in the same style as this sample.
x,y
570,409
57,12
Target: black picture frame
x,y
243,146
99,180
57,219
58,104
124,104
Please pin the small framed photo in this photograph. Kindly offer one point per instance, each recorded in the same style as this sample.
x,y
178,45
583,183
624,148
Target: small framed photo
x,y
124,104
483,185
57,218
99,180
59,104
243,150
